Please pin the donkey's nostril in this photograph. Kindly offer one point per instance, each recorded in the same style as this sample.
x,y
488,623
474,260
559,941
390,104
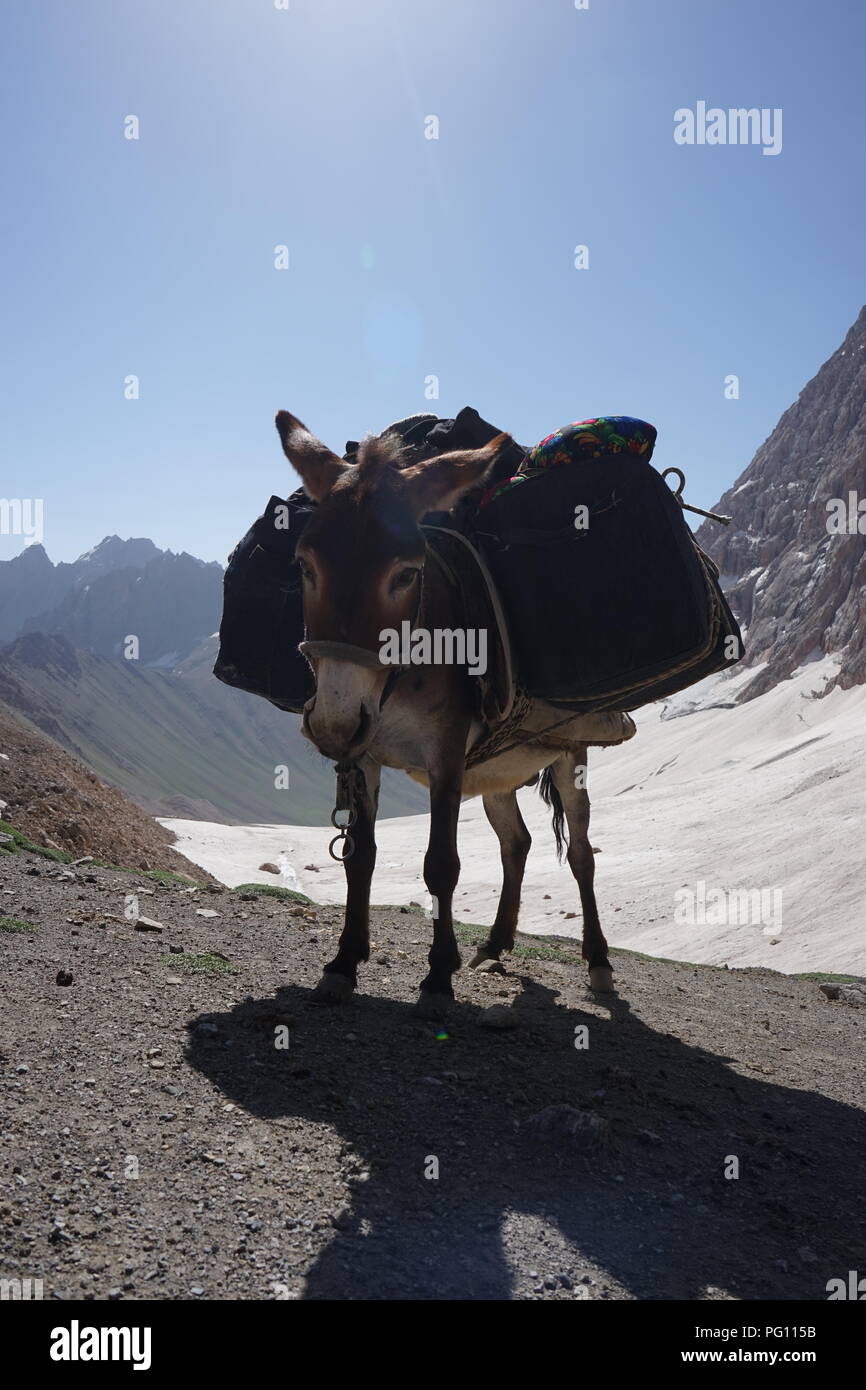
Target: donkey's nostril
x,y
363,728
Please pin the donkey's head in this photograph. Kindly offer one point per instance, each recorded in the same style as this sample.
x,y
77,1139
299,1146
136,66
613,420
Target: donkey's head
x,y
362,556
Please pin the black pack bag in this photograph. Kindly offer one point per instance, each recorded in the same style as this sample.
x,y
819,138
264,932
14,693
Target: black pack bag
x,y
611,604
263,619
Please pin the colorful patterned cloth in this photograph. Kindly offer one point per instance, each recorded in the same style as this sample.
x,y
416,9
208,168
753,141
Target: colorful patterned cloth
x,y
599,438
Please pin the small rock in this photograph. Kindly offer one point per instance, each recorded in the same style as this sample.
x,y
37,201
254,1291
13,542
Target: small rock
x,y
499,1018
847,994
148,924
64,977
269,869
176,950
490,967
205,912
565,1122
649,1136
311,868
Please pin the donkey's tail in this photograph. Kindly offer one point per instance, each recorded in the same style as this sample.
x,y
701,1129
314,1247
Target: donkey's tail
x,y
549,794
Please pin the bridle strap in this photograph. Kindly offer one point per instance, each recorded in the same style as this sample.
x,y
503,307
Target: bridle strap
x,y
345,651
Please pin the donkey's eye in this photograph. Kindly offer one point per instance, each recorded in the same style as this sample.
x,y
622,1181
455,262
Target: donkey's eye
x,y
306,572
403,578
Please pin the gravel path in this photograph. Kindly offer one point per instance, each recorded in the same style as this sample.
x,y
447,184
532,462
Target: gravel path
x,y
158,1142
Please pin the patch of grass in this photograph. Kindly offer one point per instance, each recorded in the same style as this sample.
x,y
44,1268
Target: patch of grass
x,y
19,842
471,935
398,907
166,876
207,964
273,890
832,979
15,924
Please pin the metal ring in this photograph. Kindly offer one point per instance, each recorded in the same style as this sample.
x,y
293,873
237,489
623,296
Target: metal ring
x,y
677,491
353,816
348,851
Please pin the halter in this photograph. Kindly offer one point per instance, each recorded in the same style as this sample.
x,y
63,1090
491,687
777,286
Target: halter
x,y
346,651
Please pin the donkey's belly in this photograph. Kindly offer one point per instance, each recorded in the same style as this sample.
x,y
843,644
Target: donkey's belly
x,y
508,771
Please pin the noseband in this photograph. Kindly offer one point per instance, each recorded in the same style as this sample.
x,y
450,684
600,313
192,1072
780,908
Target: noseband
x,y
346,651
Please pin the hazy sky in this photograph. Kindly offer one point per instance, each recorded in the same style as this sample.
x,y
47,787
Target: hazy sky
x,y
408,257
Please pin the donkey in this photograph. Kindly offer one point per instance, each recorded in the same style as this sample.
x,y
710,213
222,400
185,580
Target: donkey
x,y
366,567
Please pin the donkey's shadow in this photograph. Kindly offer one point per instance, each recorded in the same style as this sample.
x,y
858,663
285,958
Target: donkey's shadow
x,y
461,1137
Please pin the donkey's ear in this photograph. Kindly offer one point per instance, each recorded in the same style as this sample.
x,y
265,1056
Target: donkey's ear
x,y
438,483
318,467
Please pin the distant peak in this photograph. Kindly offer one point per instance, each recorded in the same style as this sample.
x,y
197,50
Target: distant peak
x,y
110,545
33,555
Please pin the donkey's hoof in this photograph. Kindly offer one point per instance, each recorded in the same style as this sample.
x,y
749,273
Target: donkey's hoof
x,y
488,965
601,979
332,989
432,1006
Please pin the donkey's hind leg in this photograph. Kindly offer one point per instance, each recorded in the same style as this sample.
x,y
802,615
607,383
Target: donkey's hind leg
x,y
503,813
568,775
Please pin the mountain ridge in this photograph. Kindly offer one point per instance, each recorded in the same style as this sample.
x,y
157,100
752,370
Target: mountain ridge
x,y
799,588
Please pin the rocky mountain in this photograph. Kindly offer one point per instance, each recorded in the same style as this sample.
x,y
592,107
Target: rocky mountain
x,y
177,741
31,584
793,560
169,604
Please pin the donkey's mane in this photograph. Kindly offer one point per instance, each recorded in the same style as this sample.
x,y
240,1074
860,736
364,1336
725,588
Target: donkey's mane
x,y
381,451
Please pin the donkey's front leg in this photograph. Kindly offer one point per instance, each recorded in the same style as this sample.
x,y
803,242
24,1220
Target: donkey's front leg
x,y
441,872
341,974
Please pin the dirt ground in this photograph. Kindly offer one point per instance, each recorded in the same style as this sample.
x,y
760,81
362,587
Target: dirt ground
x,y
159,1142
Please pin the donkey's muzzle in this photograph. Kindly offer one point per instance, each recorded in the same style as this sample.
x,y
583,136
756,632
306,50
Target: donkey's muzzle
x,y
338,739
